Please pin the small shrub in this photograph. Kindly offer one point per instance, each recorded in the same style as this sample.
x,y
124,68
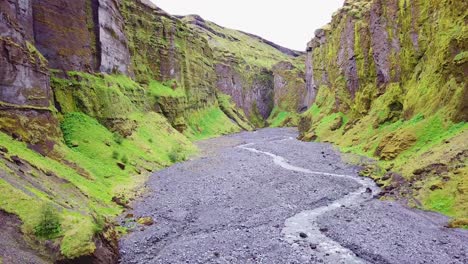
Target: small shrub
x,y
150,140
118,138
49,223
115,155
124,159
177,154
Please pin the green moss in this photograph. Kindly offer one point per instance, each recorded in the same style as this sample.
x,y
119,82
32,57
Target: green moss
x,y
158,89
461,57
35,56
88,173
100,96
282,118
209,122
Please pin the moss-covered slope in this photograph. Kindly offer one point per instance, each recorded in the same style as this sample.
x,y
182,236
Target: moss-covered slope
x,y
387,79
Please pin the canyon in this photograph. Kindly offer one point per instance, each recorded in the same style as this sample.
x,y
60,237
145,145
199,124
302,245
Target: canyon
x,y
97,95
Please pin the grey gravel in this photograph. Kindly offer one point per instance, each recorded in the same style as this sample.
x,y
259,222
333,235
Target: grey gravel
x,y
230,205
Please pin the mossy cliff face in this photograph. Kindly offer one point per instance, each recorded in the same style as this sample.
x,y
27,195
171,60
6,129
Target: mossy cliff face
x,y
387,78
25,94
244,69
164,49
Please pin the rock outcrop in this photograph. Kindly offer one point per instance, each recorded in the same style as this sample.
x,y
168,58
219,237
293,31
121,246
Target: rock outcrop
x,y
25,94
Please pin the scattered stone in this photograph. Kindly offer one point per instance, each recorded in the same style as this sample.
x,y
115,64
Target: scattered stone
x,y
121,165
386,177
309,137
323,229
3,149
17,160
303,235
17,137
129,216
147,221
216,254
337,124
313,246
120,201
368,190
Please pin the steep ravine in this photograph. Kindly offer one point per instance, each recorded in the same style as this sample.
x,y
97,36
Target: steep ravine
x,y
97,95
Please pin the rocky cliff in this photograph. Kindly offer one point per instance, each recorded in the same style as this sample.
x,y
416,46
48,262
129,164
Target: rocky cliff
x,y
245,69
96,94
387,79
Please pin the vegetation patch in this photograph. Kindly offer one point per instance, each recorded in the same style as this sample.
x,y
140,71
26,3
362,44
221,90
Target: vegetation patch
x,y
209,122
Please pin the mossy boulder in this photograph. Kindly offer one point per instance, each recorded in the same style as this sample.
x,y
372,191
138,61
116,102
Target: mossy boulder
x,y
394,144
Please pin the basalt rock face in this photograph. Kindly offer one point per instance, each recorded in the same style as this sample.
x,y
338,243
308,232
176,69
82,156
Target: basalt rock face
x,y
83,35
24,80
63,36
371,45
257,101
115,56
289,87
387,78
244,67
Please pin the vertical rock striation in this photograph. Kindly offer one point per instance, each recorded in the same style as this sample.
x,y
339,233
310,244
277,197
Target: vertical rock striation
x,y
371,45
387,78
25,94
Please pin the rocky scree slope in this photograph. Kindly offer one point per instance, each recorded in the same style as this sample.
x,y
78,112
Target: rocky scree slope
x,y
387,79
96,94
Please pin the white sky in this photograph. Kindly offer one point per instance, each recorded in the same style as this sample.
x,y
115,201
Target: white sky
x,y
288,23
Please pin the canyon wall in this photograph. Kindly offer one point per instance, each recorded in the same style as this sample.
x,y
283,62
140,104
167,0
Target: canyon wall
x,y
245,64
387,79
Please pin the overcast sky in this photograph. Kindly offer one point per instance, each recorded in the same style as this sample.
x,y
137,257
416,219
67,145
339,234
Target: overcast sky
x,y
289,23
